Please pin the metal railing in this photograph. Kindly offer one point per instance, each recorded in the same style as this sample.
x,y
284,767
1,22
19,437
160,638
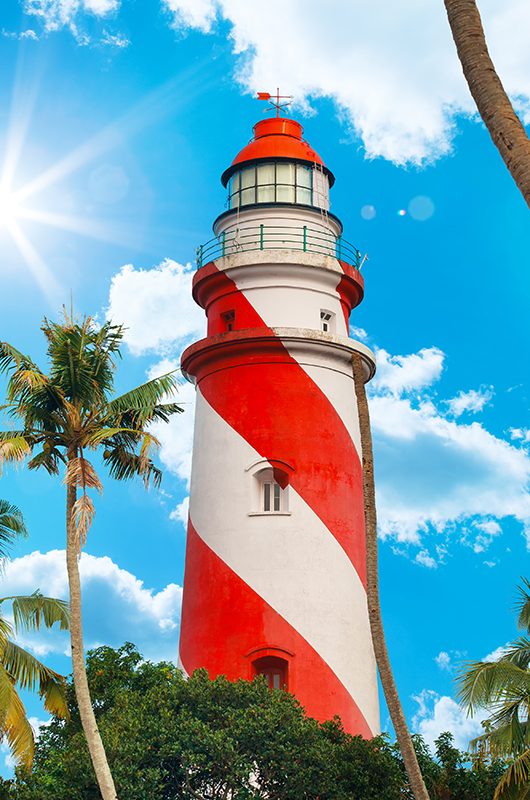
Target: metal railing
x,y
243,239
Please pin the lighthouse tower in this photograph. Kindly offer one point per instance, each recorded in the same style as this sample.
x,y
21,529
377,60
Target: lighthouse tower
x,y
275,579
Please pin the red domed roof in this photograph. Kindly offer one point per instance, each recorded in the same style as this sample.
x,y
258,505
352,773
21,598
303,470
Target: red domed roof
x,y
274,138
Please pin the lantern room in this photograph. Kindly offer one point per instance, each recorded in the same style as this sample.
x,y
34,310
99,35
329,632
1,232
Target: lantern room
x,y
278,166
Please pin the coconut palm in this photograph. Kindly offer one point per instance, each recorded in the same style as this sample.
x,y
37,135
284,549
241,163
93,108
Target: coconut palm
x,y
503,687
494,106
18,668
397,716
63,414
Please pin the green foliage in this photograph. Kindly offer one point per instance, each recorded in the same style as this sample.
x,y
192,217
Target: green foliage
x,y
173,739
503,687
70,410
19,669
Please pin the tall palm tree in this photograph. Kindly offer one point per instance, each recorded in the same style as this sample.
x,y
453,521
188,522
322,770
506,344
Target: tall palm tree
x,y
494,106
18,668
503,687
397,716
63,414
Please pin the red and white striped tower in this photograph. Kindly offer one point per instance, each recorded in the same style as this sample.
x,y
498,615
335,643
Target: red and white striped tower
x,y
275,562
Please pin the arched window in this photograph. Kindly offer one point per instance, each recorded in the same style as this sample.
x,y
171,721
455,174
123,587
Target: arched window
x,y
269,487
274,669
272,498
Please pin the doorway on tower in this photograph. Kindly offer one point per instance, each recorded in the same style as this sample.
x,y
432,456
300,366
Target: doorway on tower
x,y
273,669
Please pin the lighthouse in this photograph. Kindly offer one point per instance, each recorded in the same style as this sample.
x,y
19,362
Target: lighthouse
x,y
275,575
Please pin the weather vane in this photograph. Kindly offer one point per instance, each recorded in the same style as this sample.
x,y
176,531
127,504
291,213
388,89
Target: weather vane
x,y
275,100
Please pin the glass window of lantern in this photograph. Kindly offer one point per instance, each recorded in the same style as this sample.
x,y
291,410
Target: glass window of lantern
x,y
303,185
234,190
248,186
266,183
285,179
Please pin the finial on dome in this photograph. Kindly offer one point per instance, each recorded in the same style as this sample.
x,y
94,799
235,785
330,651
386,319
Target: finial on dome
x,y
276,100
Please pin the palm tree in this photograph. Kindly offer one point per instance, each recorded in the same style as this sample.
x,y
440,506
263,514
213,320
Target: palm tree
x,y
494,106
503,687
21,669
397,716
62,415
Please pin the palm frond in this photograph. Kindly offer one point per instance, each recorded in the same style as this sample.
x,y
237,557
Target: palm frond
x,y
124,464
14,724
82,358
117,435
80,472
518,652
83,514
145,396
515,783
11,358
12,525
31,612
14,448
49,459
523,605
29,673
483,683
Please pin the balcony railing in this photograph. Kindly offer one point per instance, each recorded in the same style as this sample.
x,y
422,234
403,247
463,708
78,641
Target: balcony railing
x,y
278,237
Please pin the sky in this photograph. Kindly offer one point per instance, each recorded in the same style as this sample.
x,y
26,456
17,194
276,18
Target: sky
x,y
117,119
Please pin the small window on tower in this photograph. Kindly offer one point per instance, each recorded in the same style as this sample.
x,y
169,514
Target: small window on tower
x,y
273,669
229,318
272,496
326,321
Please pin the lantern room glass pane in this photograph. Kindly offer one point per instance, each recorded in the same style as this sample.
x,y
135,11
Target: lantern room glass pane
x,y
285,173
248,196
248,177
303,196
303,176
266,181
285,177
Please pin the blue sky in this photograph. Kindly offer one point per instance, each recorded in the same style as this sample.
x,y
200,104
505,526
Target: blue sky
x,y
120,118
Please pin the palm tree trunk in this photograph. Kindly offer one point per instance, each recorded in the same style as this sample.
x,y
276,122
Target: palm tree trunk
x,y
82,692
506,130
372,590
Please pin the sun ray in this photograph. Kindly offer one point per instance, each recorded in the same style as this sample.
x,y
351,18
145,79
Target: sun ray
x,y
95,229
23,97
166,100
38,268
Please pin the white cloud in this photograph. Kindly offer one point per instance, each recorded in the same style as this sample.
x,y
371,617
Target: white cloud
x,y
156,307
117,605
471,401
481,534
176,436
437,714
400,92
520,434
21,35
358,333
399,374
496,654
443,660
114,40
426,560
433,472
180,513
70,14
192,13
